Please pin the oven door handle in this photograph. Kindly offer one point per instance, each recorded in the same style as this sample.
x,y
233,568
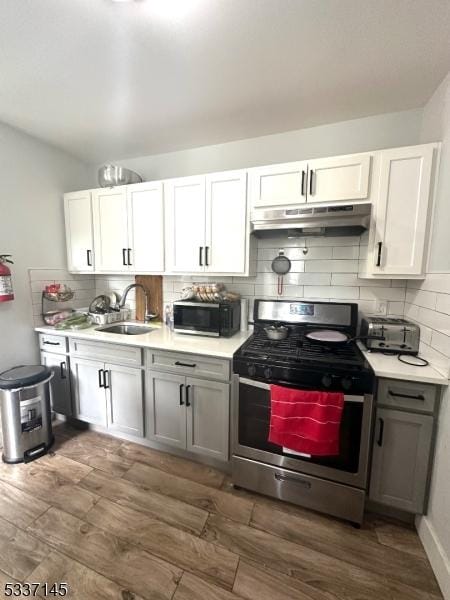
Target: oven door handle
x,y
266,386
258,384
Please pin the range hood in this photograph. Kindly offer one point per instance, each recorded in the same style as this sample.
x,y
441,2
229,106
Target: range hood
x,y
334,220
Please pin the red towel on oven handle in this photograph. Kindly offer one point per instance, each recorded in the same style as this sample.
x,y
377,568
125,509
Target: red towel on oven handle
x,y
306,421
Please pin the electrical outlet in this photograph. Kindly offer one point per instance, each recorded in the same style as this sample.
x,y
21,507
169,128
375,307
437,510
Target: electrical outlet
x,y
381,307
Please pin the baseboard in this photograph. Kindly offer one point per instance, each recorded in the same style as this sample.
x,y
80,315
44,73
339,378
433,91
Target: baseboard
x,y
440,562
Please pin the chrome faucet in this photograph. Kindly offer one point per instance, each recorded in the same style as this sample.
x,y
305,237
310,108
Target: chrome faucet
x,y
147,316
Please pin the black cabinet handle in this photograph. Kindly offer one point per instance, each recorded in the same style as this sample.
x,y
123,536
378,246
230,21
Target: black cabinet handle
x,y
62,370
380,434
410,397
100,378
311,175
206,256
124,257
303,192
200,256
188,387
129,257
106,380
181,394
182,364
52,343
380,245
89,258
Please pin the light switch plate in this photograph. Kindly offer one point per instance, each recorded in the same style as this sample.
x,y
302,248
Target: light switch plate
x,y
381,307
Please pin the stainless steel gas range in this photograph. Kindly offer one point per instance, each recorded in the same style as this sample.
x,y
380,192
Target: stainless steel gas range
x,y
337,484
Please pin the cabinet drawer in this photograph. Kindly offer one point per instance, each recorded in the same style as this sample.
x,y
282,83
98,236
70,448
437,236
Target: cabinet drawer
x,y
189,364
115,353
53,343
410,395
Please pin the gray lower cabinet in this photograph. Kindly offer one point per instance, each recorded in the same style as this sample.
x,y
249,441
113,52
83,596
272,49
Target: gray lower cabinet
x,y
89,397
401,459
188,413
60,392
166,409
208,421
125,399
108,395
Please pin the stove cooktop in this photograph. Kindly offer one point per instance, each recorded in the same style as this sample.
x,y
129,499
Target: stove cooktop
x,y
296,360
297,348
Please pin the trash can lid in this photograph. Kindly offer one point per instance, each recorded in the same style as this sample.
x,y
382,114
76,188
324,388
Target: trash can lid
x,y
23,376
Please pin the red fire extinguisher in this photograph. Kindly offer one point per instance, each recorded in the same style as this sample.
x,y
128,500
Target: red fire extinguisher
x,y
6,289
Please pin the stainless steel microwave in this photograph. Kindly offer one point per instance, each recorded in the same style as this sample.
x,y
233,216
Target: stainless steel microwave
x,y
204,318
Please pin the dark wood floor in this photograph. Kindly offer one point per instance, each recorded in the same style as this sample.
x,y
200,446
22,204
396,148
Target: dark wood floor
x,y
117,520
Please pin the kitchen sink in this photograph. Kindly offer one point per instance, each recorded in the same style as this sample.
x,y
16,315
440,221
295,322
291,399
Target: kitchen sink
x,y
126,329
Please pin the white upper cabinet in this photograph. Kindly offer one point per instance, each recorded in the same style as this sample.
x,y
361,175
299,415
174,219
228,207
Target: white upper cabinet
x,y
129,228
226,241
278,185
185,224
79,233
398,236
337,178
206,224
145,227
111,230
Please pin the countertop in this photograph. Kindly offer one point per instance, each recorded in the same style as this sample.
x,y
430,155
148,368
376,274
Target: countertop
x,y
161,338
389,366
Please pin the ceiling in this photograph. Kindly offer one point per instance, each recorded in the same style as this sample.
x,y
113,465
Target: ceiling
x,y
107,80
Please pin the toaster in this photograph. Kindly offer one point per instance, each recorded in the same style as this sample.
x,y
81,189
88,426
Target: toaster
x,y
390,335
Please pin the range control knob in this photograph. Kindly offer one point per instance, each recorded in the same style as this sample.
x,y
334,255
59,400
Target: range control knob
x,y
346,383
267,372
327,380
251,369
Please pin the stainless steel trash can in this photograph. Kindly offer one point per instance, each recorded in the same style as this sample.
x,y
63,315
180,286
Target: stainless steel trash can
x,y
25,412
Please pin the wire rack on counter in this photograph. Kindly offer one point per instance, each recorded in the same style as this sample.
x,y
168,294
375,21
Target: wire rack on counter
x,y
56,293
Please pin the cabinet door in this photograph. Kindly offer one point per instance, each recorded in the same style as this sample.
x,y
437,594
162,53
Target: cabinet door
x,y
125,399
208,421
401,458
185,224
60,392
339,178
402,214
146,227
79,231
165,408
111,230
226,222
89,398
278,185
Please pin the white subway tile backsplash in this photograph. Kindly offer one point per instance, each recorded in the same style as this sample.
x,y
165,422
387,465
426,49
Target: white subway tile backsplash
x,y
350,252
441,343
382,293
421,298
396,309
434,282
314,278
443,303
335,266
317,291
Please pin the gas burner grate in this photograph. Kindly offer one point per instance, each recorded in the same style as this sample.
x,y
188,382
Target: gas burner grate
x,y
297,348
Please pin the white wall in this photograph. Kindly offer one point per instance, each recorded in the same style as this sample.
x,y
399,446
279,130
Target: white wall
x,y
428,302
357,135
34,177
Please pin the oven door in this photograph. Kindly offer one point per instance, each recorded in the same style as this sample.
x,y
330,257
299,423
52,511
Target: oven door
x,y
197,318
251,420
